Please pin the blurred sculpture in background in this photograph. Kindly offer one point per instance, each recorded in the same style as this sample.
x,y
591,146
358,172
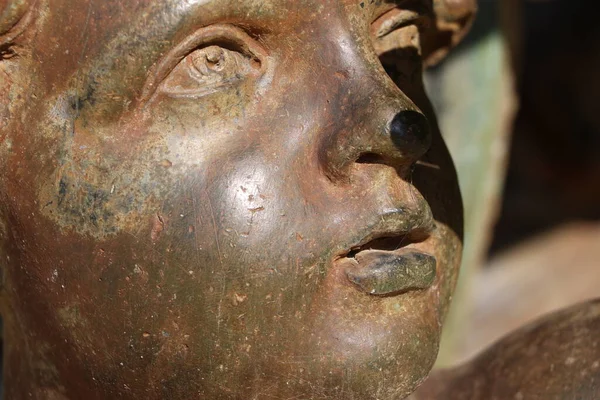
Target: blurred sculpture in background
x,y
202,199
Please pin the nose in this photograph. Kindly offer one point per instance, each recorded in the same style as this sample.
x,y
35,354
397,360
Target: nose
x,y
409,136
395,136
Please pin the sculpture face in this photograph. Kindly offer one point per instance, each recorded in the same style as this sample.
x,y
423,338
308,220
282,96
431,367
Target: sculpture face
x,y
191,190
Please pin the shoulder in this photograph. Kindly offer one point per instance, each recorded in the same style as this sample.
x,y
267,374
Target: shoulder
x,y
557,357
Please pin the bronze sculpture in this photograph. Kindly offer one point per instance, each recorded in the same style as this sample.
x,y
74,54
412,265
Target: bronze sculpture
x,y
227,201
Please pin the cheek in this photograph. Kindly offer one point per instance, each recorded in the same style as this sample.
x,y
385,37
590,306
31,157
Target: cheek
x,y
192,131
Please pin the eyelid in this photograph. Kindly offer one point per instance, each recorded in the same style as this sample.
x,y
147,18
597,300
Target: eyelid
x,y
225,35
396,18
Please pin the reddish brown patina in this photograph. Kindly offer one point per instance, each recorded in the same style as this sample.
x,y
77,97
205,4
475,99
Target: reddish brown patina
x,y
223,200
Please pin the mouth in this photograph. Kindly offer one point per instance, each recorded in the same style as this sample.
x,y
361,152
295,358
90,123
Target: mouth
x,y
385,264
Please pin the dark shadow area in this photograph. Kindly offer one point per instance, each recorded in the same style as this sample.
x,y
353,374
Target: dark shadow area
x,y
553,171
554,167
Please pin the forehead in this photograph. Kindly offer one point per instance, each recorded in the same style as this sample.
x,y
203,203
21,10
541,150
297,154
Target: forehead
x,y
166,15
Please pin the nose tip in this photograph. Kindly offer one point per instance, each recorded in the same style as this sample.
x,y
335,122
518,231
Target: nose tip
x,y
410,134
397,141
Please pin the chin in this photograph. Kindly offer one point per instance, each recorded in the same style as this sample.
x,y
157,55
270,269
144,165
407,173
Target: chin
x,y
362,346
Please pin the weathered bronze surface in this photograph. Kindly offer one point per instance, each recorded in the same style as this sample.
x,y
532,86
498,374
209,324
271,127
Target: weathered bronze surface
x,y
223,200
555,358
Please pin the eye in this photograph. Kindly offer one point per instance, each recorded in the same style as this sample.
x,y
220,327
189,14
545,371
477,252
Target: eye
x,y
212,59
208,70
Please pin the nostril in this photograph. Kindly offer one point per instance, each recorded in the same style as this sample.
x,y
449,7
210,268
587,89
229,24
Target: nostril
x,y
409,131
380,138
370,158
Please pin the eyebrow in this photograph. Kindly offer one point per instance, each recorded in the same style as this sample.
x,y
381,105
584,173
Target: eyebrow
x,y
197,13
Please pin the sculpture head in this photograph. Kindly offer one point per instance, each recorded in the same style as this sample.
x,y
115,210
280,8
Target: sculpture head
x,y
223,200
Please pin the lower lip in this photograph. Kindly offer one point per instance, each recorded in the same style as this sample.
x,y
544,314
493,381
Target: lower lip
x,y
388,273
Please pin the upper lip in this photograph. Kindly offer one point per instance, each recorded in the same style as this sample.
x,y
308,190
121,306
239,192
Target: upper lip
x,y
404,226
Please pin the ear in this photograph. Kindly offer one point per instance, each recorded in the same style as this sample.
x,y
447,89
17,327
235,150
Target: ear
x,y
12,18
452,20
